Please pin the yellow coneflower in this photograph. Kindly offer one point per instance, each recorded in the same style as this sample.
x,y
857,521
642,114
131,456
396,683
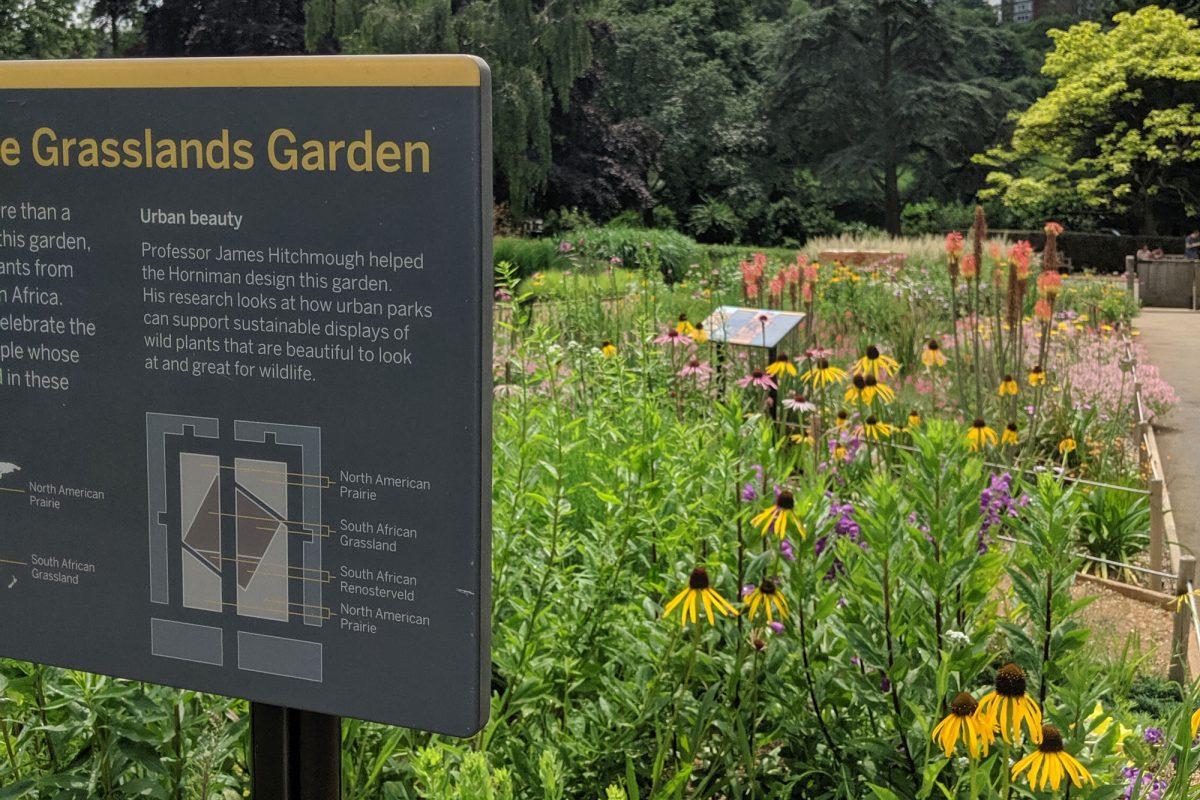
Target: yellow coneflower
x,y
1052,762
684,327
840,452
764,596
1010,434
856,389
914,419
933,355
782,364
699,335
777,517
1195,722
824,374
961,724
1067,445
1037,376
1007,706
804,437
979,434
608,349
872,388
842,420
698,588
1008,387
875,429
875,362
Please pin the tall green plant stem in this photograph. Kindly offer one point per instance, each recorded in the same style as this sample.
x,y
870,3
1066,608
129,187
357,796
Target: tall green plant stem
x,y
895,691
812,692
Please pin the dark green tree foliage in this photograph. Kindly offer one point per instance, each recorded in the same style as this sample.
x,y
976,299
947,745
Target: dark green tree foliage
x,y
878,93
112,14
537,49
41,29
225,27
599,167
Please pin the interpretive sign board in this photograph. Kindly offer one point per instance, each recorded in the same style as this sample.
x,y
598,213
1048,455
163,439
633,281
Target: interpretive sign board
x,y
754,327
245,366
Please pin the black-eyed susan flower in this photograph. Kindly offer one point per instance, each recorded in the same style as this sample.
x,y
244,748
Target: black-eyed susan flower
x,y
684,327
699,335
962,725
1008,387
1195,722
1010,434
697,592
855,390
780,516
933,356
980,435
823,374
876,429
766,596
608,349
1007,706
872,389
1037,375
1067,445
914,419
875,362
1050,762
782,365
804,437
842,420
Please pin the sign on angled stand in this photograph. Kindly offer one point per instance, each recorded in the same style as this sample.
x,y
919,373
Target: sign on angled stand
x,y
244,370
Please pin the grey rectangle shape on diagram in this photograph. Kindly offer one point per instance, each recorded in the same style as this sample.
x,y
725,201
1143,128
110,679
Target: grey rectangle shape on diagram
x,y
245,379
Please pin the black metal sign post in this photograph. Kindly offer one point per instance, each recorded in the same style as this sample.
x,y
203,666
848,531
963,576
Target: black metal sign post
x,y
295,755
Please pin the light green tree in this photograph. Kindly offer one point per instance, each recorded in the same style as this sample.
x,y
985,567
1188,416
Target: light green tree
x,y
1118,136
42,29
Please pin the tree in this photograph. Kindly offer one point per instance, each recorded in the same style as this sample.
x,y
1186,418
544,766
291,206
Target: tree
x,y
873,92
537,49
224,27
1119,134
114,12
44,29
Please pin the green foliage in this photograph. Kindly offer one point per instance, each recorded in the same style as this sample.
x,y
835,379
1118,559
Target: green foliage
x,y
1117,135
529,255
44,29
1154,695
643,249
1115,525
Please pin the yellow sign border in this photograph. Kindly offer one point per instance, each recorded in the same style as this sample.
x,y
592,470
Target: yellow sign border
x,y
256,72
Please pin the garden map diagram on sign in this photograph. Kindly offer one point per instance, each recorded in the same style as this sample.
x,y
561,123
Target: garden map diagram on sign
x,y
236,534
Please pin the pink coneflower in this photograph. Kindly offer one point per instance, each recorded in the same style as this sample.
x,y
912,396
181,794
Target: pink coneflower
x,y
565,247
818,352
700,369
615,261
758,378
797,402
671,336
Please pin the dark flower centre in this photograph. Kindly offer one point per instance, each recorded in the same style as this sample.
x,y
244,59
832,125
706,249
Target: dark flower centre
x,y
843,416
683,317
1052,741
785,500
859,382
699,579
933,345
767,586
1036,371
1011,427
823,364
979,423
1010,681
758,373
872,422
870,381
606,343
693,363
963,705
872,353
1008,378
781,358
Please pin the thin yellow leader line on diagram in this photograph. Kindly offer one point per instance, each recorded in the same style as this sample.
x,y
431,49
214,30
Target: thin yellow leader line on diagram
x,y
278,71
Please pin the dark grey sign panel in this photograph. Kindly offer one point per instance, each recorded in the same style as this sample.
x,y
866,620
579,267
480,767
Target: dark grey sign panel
x,y
245,367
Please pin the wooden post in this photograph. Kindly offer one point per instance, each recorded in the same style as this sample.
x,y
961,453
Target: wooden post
x,y
1130,273
1157,523
1183,623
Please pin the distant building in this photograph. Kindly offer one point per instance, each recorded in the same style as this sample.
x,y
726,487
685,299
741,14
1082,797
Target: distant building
x,y
1029,10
